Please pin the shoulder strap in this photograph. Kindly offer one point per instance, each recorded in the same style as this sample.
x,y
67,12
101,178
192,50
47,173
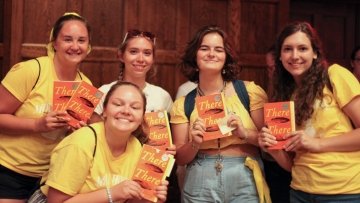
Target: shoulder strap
x,y
239,87
79,75
37,79
95,139
242,93
189,103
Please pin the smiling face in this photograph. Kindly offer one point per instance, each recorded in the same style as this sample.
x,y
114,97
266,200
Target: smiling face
x,y
72,42
138,58
124,109
211,53
297,55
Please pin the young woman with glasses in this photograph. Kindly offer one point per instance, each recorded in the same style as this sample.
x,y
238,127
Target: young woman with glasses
x,y
137,54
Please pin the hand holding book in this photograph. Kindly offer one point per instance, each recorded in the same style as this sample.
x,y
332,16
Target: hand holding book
x,y
279,118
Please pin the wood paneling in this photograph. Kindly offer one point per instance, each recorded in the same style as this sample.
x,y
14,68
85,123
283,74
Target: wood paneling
x,y
252,26
336,23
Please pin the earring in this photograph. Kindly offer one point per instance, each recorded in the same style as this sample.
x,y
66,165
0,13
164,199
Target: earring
x,y
223,71
196,69
120,78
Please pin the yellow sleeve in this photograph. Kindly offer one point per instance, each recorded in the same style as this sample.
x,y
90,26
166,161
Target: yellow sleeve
x,y
177,113
70,162
344,84
21,78
257,95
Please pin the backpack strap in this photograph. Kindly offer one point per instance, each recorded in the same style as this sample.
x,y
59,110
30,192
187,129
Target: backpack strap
x,y
37,79
95,139
242,93
240,90
189,103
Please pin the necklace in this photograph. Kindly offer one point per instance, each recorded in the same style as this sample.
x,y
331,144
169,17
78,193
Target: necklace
x,y
218,162
200,92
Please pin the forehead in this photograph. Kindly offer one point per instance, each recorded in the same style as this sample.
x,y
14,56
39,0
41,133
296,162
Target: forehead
x,y
127,92
297,38
74,26
139,42
213,38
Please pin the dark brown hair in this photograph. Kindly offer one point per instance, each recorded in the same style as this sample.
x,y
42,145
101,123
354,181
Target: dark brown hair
x,y
189,65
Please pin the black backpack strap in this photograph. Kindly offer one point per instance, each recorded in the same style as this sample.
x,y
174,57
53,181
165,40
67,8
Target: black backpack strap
x,y
242,93
37,79
95,139
79,75
189,103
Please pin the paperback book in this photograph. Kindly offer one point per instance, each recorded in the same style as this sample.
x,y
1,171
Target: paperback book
x,y
280,119
211,109
153,167
82,104
62,92
159,129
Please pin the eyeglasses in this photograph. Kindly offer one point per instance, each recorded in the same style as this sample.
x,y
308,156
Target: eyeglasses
x,y
137,33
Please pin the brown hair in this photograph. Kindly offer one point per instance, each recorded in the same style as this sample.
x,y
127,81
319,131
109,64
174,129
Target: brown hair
x,y
314,80
189,65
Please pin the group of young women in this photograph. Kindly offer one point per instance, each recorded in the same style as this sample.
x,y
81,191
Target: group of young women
x,y
95,163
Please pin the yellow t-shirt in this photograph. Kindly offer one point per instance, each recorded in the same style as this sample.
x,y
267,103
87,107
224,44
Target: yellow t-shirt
x,y
74,170
330,172
233,104
29,154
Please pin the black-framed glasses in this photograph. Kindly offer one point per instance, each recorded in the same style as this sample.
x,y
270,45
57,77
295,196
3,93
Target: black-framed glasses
x,y
137,33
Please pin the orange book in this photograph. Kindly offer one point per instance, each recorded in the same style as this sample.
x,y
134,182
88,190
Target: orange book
x,y
153,167
82,104
159,129
211,109
62,92
280,119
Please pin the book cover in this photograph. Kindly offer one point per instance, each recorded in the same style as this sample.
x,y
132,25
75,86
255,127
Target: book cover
x,y
82,104
159,129
211,109
62,92
153,166
280,119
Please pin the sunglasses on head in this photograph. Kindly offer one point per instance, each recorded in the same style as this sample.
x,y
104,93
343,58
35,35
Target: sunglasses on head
x,y
137,33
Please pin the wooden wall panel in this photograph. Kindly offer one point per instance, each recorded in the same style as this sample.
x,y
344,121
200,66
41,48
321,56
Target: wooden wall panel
x,y
251,25
335,22
260,22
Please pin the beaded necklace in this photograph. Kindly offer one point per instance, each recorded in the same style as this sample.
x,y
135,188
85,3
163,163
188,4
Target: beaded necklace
x,y
218,162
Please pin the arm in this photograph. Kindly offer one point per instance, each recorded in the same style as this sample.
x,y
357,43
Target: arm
x,y
346,142
126,190
251,136
185,150
283,158
11,124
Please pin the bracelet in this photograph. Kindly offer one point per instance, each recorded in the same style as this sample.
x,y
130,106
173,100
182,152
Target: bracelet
x,y
108,193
